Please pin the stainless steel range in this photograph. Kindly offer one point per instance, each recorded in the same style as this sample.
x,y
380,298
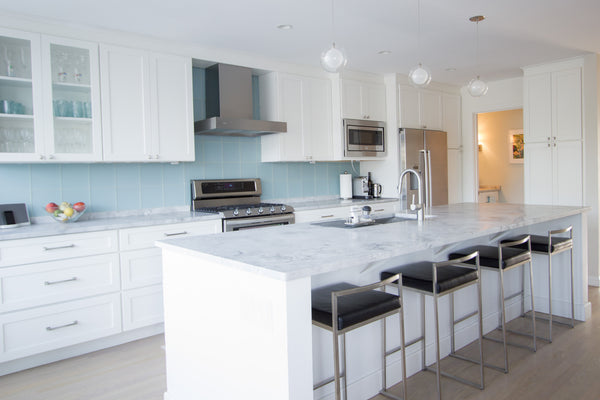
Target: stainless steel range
x,y
238,203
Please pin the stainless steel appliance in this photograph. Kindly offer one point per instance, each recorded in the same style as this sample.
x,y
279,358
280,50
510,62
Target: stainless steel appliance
x,y
229,105
360,188
238,203
364,138
426,152
377,188
13,215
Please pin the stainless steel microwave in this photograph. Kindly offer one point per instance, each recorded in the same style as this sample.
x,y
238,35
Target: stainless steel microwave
x,y
364,138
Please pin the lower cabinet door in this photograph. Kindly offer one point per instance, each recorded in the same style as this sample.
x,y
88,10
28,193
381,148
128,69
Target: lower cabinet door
x,y
142,307
41,329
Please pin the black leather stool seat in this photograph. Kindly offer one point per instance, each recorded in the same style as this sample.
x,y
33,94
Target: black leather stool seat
x,y
352,309
539,244
420,276
488,256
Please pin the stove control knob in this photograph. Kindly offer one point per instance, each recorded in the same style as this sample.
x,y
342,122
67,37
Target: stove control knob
x,y
260,210
283,208
272,209
248,211
236,212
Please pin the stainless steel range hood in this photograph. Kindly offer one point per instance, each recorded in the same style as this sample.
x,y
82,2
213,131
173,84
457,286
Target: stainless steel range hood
x,y
229,105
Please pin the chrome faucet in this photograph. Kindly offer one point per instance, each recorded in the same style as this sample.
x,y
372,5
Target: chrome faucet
x,y
413,206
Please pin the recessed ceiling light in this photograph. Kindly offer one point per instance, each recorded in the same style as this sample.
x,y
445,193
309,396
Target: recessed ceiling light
x,y
451,69
285,27
384,52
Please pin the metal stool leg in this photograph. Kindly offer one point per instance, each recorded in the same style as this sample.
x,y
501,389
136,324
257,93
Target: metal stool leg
x,y
423,353
437,345
344,366
503,320
532,305
550,291
572,289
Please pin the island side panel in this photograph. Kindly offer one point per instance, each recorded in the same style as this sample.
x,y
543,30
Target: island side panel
x,y
234,334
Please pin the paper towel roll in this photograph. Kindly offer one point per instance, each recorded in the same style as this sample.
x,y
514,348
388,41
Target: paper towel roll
x,y
346,186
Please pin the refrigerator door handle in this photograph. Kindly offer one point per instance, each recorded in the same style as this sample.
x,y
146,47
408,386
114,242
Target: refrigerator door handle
x,y
425,160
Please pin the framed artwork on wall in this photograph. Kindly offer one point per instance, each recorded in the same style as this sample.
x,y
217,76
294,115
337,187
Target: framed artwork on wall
x,y
516,151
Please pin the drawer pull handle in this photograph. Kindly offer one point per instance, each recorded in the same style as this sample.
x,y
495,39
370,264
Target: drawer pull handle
x,y
327,216
63,281
53,328
58,247
381,209
176,233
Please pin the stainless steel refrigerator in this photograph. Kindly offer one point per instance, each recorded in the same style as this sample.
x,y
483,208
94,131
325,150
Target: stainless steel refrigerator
x,y
425,151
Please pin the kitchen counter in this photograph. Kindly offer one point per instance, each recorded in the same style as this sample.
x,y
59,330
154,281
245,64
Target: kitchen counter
x,y
239,310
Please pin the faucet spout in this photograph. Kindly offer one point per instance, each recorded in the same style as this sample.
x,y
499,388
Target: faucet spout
x,y
413,206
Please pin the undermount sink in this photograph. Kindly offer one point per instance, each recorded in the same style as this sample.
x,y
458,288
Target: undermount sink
x,y
340,223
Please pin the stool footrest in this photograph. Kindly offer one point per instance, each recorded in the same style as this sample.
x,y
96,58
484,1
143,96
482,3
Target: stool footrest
x,y
456,378
522,346
389,395
527,335
458,321
512,296
544,317
458,356
392,351
414,341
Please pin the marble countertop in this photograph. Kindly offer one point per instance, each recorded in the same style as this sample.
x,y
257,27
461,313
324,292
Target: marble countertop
x,y
309,249
93,222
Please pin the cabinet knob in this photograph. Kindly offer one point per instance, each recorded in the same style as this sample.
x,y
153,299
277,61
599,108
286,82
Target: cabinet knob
x,y
51,157
42,157
156,156
149,156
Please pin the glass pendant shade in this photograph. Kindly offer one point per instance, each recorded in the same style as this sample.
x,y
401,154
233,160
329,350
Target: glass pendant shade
x,y
333,59
419,76
477,87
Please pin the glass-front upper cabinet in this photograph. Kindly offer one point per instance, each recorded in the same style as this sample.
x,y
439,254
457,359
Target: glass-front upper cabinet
x,y
71,76
21,101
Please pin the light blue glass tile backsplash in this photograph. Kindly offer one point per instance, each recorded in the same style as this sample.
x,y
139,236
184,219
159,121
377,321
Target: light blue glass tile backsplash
x,y
120,187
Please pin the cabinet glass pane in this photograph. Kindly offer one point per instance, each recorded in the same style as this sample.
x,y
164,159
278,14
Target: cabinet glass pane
x,y
16,96
71,99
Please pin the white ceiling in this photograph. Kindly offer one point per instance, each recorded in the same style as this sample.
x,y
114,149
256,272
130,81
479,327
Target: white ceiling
x,y
515,32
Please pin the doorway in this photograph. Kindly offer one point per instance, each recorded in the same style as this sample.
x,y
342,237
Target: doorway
x,y
500,156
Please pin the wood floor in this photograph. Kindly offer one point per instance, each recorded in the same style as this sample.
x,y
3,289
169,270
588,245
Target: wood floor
x,y
569,368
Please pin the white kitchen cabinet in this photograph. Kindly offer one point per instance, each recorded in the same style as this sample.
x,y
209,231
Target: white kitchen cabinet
x,y
142,307
305,103
420,108
553,165
363,100
52,87
451,121
146,106
32,331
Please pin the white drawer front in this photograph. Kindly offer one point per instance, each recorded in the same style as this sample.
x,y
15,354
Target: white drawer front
x,y
41,329
25,251
142,307
322,214
141,268
52,282
143,238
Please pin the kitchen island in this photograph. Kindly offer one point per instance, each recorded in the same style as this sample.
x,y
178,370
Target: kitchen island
x,y
237,306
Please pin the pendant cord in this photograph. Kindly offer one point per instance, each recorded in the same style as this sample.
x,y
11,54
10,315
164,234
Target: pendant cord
x,y
419,30
332,25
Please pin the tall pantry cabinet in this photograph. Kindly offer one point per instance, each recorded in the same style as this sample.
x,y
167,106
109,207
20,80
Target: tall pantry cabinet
x,y
553,134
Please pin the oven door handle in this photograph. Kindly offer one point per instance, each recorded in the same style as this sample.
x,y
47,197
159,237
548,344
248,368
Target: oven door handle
x,y
231,224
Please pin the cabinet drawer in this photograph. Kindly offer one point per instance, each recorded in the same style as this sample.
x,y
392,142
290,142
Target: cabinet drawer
x,y
142,238
142,307
322,214
141,268
25,251
42,329
38,284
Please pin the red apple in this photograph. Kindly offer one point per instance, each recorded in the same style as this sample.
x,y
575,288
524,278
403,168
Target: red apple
x,y
51,207
79,206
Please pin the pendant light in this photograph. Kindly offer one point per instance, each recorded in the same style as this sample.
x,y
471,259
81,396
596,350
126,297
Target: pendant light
x,y
419,76
333,59
477,87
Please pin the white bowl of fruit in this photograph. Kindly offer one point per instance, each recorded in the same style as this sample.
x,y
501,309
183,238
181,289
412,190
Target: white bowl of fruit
x,y
66,212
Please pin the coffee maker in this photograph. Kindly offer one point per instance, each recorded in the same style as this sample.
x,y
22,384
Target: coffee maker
x,y
360,188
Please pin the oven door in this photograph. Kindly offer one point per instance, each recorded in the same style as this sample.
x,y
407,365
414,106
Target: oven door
x,y
238,224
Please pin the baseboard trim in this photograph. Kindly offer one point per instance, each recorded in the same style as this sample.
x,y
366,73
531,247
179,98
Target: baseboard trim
x,y
594,280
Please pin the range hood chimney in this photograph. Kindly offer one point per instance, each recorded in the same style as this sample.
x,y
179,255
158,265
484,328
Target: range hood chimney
x,y
229,105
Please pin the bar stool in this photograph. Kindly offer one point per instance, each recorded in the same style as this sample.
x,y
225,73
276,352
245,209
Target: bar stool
x,y
438,279
501,259
551,245
343,307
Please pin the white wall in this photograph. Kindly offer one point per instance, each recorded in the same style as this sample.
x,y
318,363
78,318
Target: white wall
x,y
502,95
495,167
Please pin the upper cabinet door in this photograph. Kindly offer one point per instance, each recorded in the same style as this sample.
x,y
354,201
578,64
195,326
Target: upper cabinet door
x,y
72,99
318,119
172,108
451,109
567,105
375,103
431,109
409,107
126,117
21,100
537,113
352,100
